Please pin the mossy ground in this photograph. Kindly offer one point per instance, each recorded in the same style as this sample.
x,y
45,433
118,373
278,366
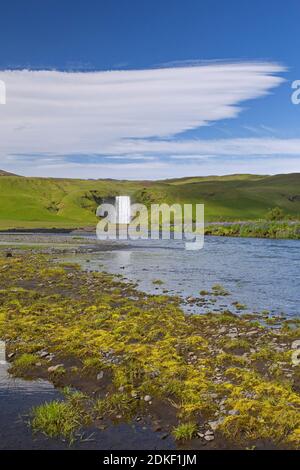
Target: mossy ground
x,y
136,356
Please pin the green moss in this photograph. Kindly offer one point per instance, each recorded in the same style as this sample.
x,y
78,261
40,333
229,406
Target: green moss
x,y
116,405
157,282
145,345
219,290
237,344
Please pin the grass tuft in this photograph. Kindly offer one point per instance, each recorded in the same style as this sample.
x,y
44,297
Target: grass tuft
x,y
184,431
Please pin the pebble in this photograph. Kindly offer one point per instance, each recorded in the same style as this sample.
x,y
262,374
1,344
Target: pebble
x,y
100,375
251,333
55,368
209,438
157,428
213,424
147,398
43,354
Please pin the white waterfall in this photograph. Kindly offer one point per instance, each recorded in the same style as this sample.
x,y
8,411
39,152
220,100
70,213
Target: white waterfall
x,y
122,206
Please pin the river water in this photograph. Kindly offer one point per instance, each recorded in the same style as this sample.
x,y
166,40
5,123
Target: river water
x,y
261,274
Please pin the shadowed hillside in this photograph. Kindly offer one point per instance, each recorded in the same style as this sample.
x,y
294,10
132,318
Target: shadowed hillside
x,y
67,203
6,173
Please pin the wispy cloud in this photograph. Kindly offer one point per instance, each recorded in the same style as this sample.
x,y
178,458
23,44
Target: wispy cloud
x,y
135,114
230,147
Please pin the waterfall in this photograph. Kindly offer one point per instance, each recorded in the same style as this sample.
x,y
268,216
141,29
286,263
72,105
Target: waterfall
x,y
123,209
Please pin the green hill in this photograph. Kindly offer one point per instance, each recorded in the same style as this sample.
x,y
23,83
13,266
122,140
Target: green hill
x,y
67,203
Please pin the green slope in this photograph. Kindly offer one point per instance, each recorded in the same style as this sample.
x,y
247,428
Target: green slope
x,y
66,203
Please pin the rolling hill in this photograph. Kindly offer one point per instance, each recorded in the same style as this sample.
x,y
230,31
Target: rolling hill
x,y
69,203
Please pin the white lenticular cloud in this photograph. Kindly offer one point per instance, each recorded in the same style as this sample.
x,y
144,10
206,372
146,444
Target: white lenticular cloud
x,y
61,113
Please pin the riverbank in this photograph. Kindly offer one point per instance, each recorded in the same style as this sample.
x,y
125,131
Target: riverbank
x,y
219,380
286,229
259,229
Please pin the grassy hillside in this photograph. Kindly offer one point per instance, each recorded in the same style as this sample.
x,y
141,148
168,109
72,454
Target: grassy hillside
x,y
67,203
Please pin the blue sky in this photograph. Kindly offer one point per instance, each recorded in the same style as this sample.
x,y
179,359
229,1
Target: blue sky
x,y
213,92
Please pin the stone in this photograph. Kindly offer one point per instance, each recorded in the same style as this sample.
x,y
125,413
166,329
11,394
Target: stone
x,y
233,412
43,354
209,438
154,374
251,332
55,368
232,335
147,398
100,375
121,389
296,344
208,433
215,424
157,428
